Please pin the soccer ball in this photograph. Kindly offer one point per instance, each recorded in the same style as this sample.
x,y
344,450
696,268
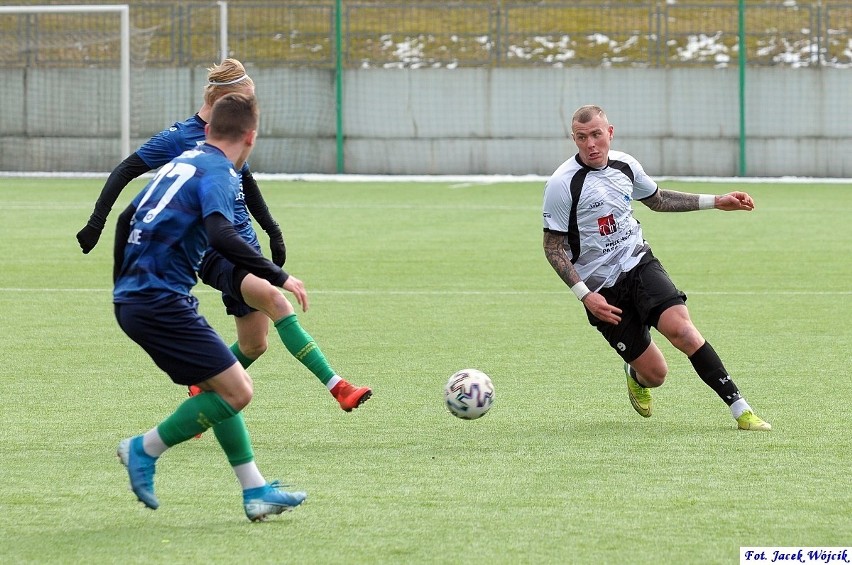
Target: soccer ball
x,y
469,394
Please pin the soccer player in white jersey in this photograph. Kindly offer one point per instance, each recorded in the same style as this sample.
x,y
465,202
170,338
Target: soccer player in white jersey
x,y
595,245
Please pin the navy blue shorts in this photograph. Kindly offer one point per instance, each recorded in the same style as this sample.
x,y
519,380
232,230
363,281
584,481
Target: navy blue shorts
x,y
221,274
177,337
643,294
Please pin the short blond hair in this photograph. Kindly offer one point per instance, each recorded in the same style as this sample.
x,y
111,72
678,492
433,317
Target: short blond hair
x,y
228,76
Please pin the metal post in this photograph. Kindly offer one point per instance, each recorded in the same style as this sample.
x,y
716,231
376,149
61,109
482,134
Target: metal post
x,y
125,81
223,30
742,65
124,13
338,75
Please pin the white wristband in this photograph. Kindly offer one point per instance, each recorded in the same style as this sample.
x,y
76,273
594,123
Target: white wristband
x,y
706,201
580,290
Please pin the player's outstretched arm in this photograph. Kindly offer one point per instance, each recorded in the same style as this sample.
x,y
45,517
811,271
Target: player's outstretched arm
x,y
222,236
674,201
734,201
120,177
260,212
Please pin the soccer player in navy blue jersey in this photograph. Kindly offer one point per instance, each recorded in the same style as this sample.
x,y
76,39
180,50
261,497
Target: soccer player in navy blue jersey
x,y
596,246
251,300
160,239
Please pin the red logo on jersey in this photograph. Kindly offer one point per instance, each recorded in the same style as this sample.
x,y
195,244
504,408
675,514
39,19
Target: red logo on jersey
x,y
607,225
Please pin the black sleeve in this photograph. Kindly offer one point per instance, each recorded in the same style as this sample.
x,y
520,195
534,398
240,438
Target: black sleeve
x,y
257,205
122,232
120,177
224,238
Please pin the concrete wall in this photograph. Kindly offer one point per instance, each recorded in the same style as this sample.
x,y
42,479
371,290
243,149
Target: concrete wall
x,y
678,122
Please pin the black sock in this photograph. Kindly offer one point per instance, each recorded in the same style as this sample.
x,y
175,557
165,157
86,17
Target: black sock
x,y
711,370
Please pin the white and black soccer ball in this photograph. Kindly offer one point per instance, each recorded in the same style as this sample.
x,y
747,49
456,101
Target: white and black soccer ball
x,y
469,394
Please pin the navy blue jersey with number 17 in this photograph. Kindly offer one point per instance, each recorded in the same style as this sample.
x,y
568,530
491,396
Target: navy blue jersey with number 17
x,y
167,236
188,134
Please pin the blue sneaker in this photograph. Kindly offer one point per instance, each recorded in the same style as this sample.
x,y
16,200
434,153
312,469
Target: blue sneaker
x,y
140,467
269,499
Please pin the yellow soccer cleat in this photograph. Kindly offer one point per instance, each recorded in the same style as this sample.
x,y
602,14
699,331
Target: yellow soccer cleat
x,y
640,397
748,420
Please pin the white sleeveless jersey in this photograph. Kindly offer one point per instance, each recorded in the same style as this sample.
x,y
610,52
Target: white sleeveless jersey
x,y
592,206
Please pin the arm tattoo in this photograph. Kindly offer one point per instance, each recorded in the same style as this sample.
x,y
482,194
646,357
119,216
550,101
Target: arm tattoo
x,y
671,201
554,250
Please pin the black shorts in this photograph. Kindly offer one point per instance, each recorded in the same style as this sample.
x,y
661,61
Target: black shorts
x,y
177,337
221,274
643,294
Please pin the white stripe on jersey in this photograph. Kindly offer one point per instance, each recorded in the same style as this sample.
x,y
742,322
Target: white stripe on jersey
x,y
606,237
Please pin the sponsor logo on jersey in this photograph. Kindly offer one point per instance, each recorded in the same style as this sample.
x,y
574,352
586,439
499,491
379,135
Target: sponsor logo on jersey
x,y
607,225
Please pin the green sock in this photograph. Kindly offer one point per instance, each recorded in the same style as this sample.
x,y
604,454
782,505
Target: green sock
x,y
234,438
241,357
303,347
193,417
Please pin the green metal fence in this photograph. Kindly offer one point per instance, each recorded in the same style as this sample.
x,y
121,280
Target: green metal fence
x,y
341,35
438,34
